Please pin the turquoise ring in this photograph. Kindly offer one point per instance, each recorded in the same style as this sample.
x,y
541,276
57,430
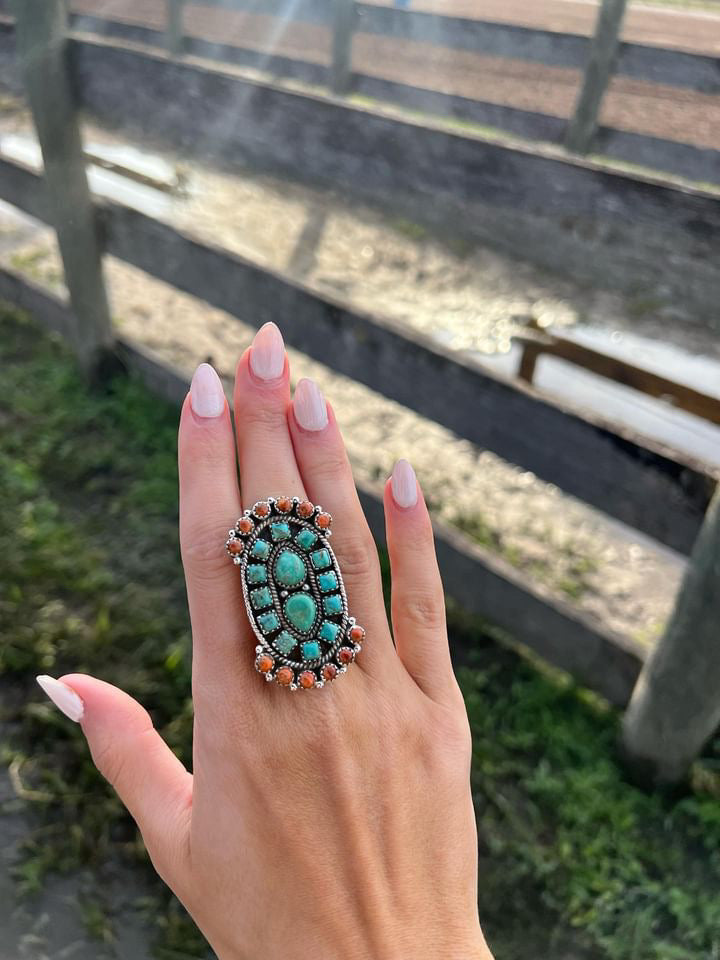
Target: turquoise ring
x,y
294,593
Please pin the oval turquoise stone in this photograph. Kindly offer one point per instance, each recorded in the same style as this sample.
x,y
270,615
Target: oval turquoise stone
x,y
289,568
301,609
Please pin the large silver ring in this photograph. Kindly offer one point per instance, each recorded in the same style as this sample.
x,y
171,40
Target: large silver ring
x,y
294,593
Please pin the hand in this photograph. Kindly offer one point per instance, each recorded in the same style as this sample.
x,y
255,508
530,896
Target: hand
x,y
333,823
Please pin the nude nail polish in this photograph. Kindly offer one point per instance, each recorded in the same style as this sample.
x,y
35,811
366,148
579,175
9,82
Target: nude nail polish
x,y
403,484
207,397
309,406
267,356
64,698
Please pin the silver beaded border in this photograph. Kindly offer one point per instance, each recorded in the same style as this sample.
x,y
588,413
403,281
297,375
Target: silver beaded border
x,y
262,514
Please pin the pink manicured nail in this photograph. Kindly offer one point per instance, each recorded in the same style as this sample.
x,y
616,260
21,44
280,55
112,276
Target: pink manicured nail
x,y
206,393
267,356
65,699
404,484
309,406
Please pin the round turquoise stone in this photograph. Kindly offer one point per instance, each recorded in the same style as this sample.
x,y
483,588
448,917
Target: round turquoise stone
x,y
301,609
289,569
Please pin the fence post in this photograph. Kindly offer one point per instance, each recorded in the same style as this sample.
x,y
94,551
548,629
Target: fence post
x,y
675,706
601,65
174,27
41,37
344,15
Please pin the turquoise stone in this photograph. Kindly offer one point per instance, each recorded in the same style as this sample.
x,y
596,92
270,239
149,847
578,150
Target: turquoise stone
x,y
329,631
256,573
260,598
280,531
306,538
268,622
285,642
300,609
289,568
327,582
320,559
311,650
333,604
261,549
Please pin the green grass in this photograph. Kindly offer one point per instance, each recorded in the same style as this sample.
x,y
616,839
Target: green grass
x,y
574,861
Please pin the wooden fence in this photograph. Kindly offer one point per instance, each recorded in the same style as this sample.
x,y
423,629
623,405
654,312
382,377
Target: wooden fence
x,y
659,492
599,57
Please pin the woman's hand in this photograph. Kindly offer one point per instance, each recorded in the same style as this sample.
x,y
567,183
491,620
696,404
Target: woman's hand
x,y
336,823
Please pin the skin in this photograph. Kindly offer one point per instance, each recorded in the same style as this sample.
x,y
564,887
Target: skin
x,y
336,823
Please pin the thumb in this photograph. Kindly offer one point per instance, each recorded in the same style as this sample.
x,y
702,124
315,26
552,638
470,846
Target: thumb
x,y
128,751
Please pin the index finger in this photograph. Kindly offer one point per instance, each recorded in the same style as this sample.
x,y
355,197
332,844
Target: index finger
x,y
209,505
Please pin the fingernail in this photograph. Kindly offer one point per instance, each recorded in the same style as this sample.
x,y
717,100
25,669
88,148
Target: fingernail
x,y
267,356
404,484
65,699
309,406
207,397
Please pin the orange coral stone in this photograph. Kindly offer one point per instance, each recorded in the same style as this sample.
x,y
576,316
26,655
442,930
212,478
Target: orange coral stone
x,y
245,525
284,676
323,520
306,679
264,663
305,509
329,671
261,509
357,634
345,655
235,546
284,504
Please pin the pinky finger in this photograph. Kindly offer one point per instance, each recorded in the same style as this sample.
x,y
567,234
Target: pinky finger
x,y
418,602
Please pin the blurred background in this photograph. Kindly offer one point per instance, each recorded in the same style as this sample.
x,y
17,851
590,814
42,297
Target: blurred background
x,y
491,231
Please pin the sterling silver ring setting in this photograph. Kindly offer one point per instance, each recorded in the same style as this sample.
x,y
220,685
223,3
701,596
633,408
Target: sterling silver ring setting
x,y
294,593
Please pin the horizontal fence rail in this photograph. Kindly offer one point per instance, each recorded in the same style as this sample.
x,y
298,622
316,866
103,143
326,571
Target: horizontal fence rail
x,y
662,494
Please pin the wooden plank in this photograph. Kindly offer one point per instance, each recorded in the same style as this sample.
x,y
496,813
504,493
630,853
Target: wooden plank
x,y
41,42
481,582
352,144
599,70
344,20
269,63
620,371
661,493
675,707
23,293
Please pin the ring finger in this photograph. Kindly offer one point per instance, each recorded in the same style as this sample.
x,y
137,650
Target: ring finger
x,y
327,475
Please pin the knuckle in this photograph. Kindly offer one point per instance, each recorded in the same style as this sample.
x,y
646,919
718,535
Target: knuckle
x,y
266,415
110,761
330,468
203,547
357,558
420,609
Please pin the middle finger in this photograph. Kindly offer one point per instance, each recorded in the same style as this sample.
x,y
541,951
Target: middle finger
x,y
261,400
